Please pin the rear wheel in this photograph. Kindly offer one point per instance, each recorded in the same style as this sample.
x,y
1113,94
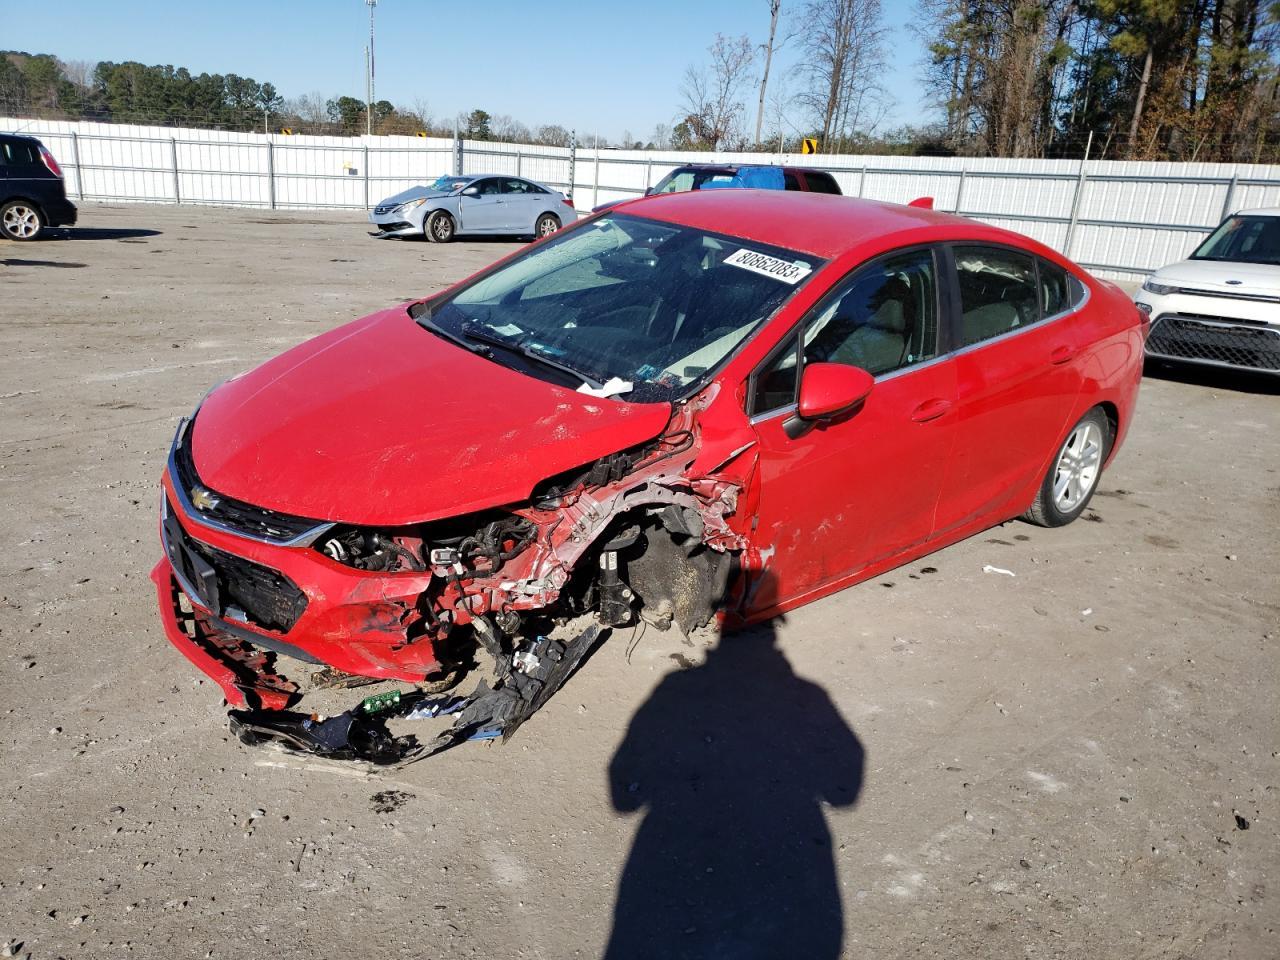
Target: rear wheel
x,y
21,220
546,225
440,227
1073,475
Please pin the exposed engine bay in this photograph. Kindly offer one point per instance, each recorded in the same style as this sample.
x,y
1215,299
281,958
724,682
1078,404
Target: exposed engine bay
x,y
515,596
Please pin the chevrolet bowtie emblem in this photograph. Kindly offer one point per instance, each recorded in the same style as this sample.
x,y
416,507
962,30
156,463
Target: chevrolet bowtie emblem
x,y
203,499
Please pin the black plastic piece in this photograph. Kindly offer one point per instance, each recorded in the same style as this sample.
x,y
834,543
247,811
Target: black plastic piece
x,y
347,736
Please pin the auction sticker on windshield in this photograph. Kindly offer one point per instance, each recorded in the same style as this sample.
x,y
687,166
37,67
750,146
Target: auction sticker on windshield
x,y
787,271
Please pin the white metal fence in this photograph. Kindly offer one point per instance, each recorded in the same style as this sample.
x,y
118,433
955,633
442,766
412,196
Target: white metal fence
x,y
1122,219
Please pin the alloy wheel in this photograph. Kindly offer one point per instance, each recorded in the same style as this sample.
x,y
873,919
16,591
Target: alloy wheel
x,y
21,222
1078,467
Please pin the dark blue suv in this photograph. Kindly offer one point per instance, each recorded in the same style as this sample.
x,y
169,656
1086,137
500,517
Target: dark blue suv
x,y
32,195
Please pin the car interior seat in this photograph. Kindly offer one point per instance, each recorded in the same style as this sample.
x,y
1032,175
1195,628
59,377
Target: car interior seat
x,y
989,320
880,342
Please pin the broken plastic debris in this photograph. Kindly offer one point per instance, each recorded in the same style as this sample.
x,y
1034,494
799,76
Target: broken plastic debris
x,y
988,568
610,388
441,707
344,737
379,702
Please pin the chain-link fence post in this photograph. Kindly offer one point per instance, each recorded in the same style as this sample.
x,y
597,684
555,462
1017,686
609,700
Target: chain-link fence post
x,y
173,153
271,175
573,161
595,177
1075,210
1231,192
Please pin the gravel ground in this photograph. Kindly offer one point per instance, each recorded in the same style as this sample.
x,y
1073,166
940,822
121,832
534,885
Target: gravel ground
x,y
1076,761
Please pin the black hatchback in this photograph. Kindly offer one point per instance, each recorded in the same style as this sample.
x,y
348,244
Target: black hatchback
x,y
32,195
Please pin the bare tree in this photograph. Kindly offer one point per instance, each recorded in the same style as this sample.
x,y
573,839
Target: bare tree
x,y
844,59
660,139
78,72
420,113
713,109
553,135
509,130
311,108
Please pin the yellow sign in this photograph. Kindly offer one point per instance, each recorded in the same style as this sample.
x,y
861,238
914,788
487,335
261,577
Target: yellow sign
x,y
809,145
286,131
422,133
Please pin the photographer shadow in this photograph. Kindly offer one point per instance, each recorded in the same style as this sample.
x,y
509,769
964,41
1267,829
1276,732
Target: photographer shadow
x,y
732,762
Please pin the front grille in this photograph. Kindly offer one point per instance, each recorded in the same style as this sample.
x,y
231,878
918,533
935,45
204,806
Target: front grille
x,y
221,581
1185,338
386,208
235,515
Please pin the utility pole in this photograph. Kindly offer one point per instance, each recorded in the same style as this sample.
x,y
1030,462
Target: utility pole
x,y
368,69
775,7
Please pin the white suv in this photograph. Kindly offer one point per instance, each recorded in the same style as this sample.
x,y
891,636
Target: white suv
x,y
1221,306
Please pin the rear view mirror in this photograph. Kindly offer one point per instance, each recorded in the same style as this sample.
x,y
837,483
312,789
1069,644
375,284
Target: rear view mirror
x,y
828,390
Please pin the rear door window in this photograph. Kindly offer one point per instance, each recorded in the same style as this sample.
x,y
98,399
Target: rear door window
x,y
820,182
998,292
19,153
1055,289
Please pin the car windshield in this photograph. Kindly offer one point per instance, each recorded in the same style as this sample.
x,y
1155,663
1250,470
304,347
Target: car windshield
x,y
679,181
1243,239
623,306
450,184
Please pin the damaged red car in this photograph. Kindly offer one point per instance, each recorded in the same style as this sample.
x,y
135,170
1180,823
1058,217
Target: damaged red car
x,y
706,405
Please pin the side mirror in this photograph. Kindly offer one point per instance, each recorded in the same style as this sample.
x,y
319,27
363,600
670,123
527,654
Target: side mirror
x,y
828,390
471,191
648,191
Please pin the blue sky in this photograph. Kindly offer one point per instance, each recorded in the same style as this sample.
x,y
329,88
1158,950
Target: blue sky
x,y
593,66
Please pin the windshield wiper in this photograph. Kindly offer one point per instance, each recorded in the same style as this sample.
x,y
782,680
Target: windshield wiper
x,y
477,336
424,320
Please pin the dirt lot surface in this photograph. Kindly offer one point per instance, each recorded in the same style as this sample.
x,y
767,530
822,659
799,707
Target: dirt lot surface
x,y
1076,761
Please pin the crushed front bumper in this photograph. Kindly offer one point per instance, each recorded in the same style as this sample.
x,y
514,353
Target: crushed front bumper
x,y
243,673
357,622
394,224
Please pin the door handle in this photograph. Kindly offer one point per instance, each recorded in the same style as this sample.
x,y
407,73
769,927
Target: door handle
x,y
1062,354
930,410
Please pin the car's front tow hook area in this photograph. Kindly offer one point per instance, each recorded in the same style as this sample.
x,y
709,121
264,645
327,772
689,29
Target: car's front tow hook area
x,y
524,679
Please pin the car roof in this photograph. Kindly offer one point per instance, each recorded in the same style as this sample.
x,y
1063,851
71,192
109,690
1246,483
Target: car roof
x,y
823,225
1259,212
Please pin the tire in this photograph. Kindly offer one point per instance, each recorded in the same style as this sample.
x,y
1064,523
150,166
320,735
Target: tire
x,y
545,226
21,220
1073,476
440,227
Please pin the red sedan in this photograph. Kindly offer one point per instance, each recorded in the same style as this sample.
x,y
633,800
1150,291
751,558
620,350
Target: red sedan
x,y
696,405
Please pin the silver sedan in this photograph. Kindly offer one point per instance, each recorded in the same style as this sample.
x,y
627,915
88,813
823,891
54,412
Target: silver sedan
x,y
479,204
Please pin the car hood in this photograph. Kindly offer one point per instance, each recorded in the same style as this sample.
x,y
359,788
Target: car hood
x,y
382,422
1215,274
413,193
